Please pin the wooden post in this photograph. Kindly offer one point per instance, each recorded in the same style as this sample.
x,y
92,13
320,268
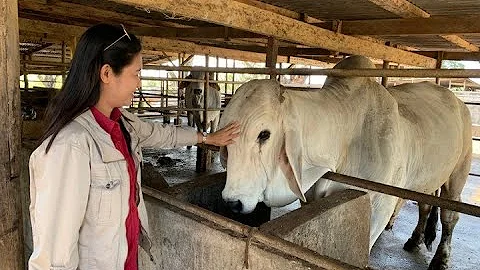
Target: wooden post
x,y
233,77
73,47
272,52
438,65
166,117
386,65
176,121
25,72
11,229
204,156
64,60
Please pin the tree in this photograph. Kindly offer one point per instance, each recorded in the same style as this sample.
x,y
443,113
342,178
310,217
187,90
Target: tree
x,y
450,64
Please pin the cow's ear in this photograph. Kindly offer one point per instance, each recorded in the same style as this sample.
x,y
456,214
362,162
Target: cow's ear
x,y
291,163
223,156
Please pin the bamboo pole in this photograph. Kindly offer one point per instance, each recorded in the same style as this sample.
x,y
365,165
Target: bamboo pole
x,y
405,193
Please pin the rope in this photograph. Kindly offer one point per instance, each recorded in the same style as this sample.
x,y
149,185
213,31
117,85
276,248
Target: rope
x,y
251,231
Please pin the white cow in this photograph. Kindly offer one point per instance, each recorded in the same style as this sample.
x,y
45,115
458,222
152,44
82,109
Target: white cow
x,y
194,96
414,136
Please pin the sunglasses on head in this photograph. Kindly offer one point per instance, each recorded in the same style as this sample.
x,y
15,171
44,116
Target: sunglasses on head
x,y
113,43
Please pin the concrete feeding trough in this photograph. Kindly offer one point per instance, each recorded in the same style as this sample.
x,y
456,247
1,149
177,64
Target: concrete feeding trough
x,y
192,229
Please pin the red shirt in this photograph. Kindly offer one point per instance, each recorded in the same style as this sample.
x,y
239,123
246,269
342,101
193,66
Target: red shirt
x,y
132,223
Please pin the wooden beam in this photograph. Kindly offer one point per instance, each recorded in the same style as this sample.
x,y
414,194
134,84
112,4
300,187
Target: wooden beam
x,y
153,45
238,15
458,56
435,25
281,11
406,9
11,230
48,27
285,51
402,8
194,32
460,42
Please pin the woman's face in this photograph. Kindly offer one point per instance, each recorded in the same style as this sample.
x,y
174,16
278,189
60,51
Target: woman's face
x,y
121,87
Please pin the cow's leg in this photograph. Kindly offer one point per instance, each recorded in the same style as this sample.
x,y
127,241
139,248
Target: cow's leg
x,y
452,190
190,123
442,255
398,207
214,124
418,235
190,119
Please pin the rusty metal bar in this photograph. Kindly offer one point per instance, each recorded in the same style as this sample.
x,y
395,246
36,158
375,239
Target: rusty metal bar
x,y
265,239
405,194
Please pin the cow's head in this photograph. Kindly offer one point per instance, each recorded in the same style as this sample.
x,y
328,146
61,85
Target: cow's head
x,y
197,88
265,163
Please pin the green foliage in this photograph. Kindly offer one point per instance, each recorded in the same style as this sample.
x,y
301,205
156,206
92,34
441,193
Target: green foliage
x,y
450,64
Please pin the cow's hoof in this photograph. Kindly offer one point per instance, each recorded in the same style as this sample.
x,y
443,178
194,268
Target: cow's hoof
x,y
411,246
437,264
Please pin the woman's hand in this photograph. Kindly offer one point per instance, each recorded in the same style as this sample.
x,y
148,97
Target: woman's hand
x,y
224,136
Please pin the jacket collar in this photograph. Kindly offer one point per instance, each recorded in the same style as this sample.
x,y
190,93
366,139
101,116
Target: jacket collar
x,y
104,143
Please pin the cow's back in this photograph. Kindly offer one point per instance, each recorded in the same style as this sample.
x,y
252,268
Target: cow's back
x,y
436,129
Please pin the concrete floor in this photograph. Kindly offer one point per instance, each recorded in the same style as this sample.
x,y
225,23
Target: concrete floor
x,y
387,253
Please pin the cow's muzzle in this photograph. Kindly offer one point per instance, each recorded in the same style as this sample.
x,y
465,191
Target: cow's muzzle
x,y
235,206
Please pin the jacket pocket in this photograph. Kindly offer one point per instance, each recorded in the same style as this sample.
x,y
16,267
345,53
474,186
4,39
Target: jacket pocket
x,y
105,194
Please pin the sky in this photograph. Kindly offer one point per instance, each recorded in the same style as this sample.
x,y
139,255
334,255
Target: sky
x,y
472,65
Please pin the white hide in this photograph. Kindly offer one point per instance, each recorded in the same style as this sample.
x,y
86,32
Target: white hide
x,y
413,136
195,100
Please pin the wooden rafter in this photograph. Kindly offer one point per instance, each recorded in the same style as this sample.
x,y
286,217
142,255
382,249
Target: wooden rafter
x,y
402,8
155,45
460,42
242,16
406,9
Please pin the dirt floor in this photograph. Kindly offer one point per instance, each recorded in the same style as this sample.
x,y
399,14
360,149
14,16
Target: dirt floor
x,y
178,166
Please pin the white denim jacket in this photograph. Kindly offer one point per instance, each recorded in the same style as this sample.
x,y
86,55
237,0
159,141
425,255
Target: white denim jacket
x,y
80,189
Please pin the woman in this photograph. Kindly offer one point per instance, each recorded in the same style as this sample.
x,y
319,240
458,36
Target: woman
x,y
87,208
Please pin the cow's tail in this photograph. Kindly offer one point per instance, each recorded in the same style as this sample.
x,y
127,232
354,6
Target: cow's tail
x,y
431,227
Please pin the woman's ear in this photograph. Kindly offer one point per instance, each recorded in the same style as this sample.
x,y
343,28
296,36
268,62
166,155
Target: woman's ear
x,y
106,73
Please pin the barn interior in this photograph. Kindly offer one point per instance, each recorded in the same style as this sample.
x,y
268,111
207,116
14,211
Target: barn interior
x,y
408,40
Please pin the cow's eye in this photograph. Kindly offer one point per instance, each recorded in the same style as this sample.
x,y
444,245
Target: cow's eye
x,y
263,136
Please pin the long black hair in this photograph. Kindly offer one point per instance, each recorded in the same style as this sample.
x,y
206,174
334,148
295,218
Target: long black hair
x,y
81,89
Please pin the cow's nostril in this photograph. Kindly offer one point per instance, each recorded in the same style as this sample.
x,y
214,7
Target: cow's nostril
x,y
197,91
235,206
